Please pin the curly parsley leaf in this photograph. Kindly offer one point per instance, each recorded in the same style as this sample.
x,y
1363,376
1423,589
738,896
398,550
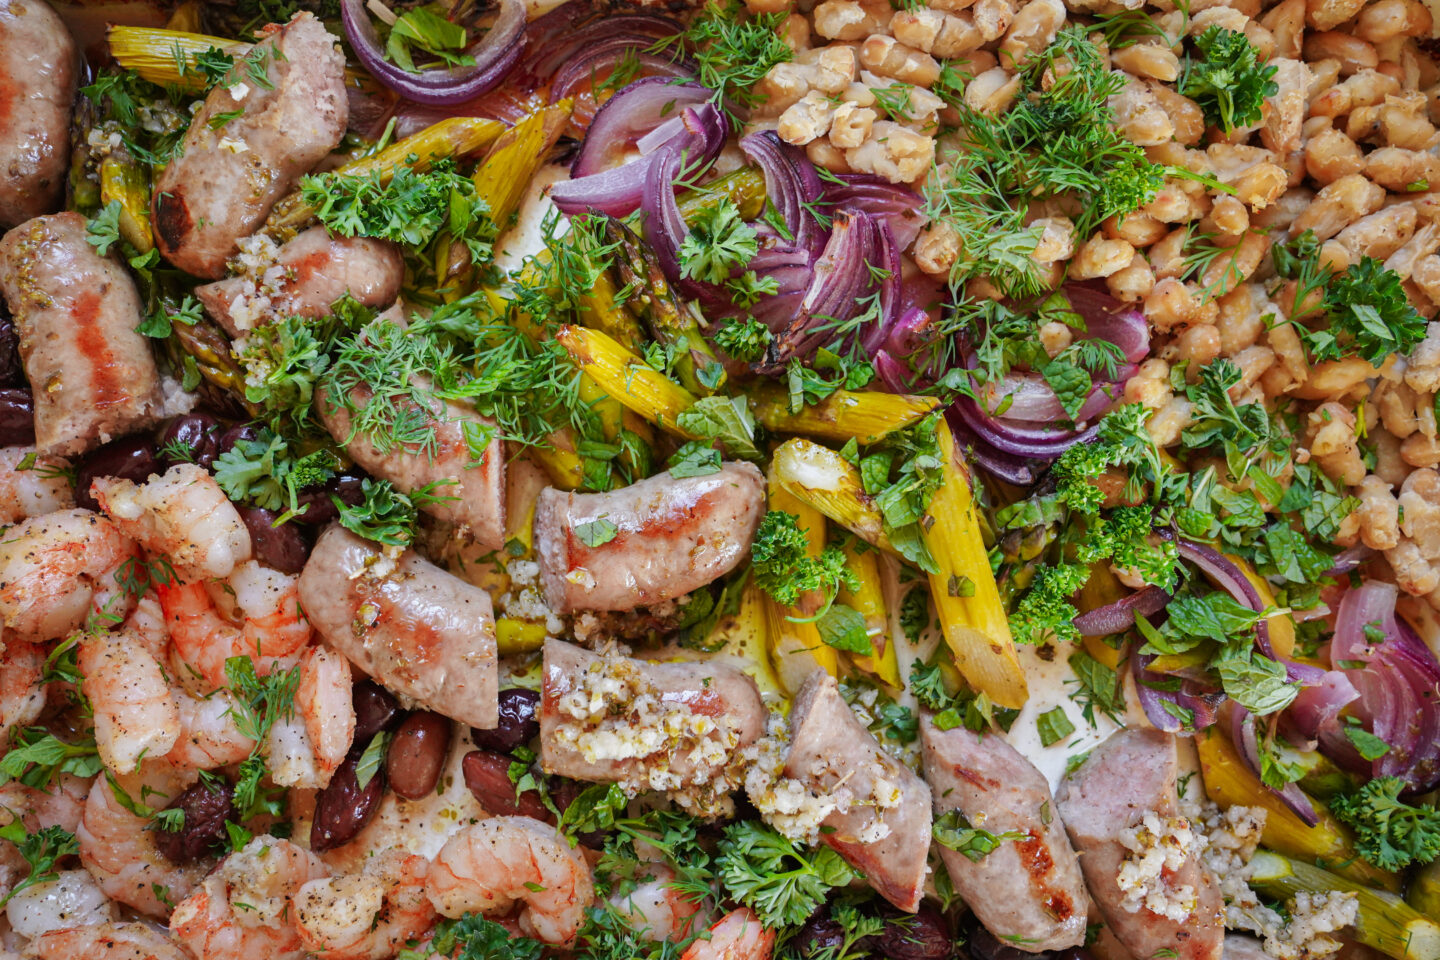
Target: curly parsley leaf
x,y
718,243
1369,316
781,881
40,850
783,568
1227,80
1389,833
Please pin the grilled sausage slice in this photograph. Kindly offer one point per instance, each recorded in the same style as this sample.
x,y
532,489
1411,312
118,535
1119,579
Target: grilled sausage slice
x,y
887,837
726,701
470,493
310,273
38,66
93,376
669,537
1027,892
1132,774
227,177
422,632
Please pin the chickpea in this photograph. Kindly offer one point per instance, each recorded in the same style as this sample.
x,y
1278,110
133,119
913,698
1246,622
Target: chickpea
x,y
937,248
1335,377
1330,155
1226,271
1100,257
1170,306
850,125
1381,233
851,20
992,91
887,57
993,18
1240,321
1057,239
1149,60
1328,14
1261,185
1286,23
1138,229
1167,255
1150,386
1139,116
1185,114
1335,206
1353,53
1032,30
1386,19
825,154
1133,283
1229,216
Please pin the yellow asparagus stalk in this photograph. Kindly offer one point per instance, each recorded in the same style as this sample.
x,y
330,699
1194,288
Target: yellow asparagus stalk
x,y
745,636
627,378
866,416
501,181
1385,922
167,57
869,602
123,180
1229,783
451,137
744,187
796,648
1424,891
822,479
972,617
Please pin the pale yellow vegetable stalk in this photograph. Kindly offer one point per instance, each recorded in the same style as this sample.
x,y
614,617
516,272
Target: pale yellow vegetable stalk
x,y
160,55
821,478
796,648
869,602
866,416
123,180
627,378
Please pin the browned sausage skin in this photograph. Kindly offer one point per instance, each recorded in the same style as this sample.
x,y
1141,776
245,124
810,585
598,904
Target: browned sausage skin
x,y
309,274
93,376
38,66
720,711
224,182
886,833
469,493
422,632
1126,778
1027,892
671,536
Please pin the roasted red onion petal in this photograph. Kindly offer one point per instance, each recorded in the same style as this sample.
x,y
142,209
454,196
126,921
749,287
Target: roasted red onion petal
x,y
841,279
791,185
1015,470
897,206
1151,699
494,54
1230,579
1120,615
1031,398
635,110
1242,734
559,40
1316,709
1109,319
1349,559
1019,439
600,61
887,259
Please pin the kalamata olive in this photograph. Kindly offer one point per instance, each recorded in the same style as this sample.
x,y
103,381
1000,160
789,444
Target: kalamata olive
x,y
131,458
417,754
207,806
282,548
17,417
517,725
376,709
321,509
923,935
488,777
196,434
820,933
241,431
344,807
12,372
563,792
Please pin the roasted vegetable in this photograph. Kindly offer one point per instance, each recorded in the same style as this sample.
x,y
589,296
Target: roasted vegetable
x,y
795,647
867,416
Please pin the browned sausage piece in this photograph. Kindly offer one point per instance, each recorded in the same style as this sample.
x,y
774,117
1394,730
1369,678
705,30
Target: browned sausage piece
x,y
93,376
886,831
422,632
589,706
472,491
37,88
310,273
1126,779
1027,892
227,177
669,537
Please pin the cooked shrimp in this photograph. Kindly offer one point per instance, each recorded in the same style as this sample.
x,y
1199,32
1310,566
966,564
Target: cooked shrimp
x,y
146,624
271,626
40,488
242,909
490,865
736,936
108,941
72,899
210,734
325,702
58,569
183,514
135,713
60,805
21,695
369,915
656,910
290,756
118,849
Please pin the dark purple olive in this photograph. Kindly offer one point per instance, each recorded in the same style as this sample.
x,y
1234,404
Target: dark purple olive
x,y
488,777
191,438
981,944
12,372
282,548
207,807
344,807
517,725
563,792
241,431
322,509
132,458
923,935
820,933
17,417
376,709
417,754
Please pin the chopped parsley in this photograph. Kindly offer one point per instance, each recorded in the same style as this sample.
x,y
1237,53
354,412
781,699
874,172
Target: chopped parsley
x,y
1227,79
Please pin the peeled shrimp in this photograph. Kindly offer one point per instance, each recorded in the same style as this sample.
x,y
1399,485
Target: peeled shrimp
x,y
135,713
183,514
146,624
655,909
241,912
118,848
21,695
271,626
36,809
58,569
490,865
210,734
369,915
736,936
72,899
325,702
108,941
39,489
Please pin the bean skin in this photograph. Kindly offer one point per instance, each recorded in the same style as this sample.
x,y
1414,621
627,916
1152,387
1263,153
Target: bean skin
x,y
17,417
376,709
518,724
131,458
283,548
344,807
206,807
417,754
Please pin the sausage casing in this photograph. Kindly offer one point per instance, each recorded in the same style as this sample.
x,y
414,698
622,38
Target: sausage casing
x,y
38,68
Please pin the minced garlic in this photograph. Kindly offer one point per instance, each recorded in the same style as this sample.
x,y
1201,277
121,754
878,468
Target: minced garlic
x,y
1158,846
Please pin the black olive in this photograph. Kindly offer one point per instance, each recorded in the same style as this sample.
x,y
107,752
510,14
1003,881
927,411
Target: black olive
x,y
282,548
376,709
517,725
198,434
344,807
131,458
207,806
17,417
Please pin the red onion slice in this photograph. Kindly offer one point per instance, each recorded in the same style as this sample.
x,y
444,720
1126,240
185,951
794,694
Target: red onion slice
x,y
897,206
494,54
635,111
1152,700
1109,319
1120,615
1242,734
